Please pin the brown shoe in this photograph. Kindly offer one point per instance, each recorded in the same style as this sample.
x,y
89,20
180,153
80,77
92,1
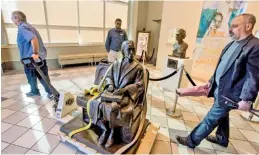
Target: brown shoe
x,y
183,141
215,140
102,138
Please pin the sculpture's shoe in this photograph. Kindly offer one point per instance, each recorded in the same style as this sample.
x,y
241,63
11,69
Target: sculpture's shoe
x,y
109,142
102,138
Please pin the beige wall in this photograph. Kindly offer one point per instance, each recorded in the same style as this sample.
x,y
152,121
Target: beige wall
x,y
12,54
187,15
142,15
154,12
253,7
184,15
11,58
132,19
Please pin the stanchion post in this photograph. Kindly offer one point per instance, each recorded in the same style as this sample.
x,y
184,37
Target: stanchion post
x,y
174,112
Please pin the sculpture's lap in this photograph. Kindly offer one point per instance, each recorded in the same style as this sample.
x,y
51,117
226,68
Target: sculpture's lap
x,y
82,100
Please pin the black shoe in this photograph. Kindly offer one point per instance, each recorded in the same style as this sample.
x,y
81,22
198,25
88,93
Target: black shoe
x,y
183,141
215,140
102,138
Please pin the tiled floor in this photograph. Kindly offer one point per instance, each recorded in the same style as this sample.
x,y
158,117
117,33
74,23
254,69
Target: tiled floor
x,y
28,125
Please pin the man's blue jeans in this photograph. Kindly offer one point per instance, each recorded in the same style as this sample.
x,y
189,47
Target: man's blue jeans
x,y
32,75
218,116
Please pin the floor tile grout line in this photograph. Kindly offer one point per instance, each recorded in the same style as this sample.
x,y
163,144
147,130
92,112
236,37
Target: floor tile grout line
x,y
21,119
25,127
40,139
14,145
27,131
247,139
33,129
166,117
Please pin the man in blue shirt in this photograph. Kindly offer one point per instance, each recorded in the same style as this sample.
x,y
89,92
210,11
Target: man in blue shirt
x,y
30,45
114,40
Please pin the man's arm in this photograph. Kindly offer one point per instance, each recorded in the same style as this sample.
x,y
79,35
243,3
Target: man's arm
x,y
108,42
251,86
35,45
29,36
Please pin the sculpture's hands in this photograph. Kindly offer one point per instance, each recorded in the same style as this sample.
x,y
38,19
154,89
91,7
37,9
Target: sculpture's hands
x,y
110,88
119,91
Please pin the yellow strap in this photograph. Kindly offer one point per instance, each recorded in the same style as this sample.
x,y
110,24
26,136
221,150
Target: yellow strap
x,y
88,113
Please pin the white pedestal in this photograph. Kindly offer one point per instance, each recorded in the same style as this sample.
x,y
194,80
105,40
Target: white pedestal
x,y
170,65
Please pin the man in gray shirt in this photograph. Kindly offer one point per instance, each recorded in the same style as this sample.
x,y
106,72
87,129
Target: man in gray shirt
x,y
114,40
223,63
236,77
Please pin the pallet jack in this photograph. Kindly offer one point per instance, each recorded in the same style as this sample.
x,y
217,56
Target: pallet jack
x,y
64,102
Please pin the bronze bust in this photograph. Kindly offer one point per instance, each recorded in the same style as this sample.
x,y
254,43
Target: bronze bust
x,y
119,105
180,47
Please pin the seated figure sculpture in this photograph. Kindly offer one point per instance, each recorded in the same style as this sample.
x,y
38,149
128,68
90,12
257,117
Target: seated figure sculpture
x,y
180,47
120,102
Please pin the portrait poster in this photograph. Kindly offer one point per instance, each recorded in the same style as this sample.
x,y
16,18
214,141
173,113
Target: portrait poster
x,y
213,35
216,17
142,42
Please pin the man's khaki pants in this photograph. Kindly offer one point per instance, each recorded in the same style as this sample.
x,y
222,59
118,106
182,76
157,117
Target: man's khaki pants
x,y
114,55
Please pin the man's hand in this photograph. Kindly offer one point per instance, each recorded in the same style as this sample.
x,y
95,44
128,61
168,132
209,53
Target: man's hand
x,y
119,91
110,88
202,90
35,56
244,106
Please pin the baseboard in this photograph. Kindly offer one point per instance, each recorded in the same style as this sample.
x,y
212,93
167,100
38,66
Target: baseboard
x,y
17,65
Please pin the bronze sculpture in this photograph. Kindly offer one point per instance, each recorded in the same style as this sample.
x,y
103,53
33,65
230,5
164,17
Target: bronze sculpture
x,y
121,99
180,47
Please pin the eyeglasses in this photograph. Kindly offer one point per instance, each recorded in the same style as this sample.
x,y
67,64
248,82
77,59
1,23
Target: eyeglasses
x,y
233,26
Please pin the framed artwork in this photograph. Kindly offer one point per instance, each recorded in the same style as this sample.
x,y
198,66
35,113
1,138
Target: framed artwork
x,y
143,38
216,17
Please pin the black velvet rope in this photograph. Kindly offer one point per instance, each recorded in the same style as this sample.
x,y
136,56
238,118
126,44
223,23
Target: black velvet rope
x,y
172,74
165,77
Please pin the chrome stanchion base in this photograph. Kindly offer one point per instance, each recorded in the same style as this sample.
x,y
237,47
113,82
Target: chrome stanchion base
x,y
173,113
250,117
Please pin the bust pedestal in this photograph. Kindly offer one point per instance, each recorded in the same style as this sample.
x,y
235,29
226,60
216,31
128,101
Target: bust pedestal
x,y
177,81
170,65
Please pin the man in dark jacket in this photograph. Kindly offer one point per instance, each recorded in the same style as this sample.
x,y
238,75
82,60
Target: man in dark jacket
x,y
236,77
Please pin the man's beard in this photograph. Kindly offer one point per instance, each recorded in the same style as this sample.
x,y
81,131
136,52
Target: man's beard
x,y
231,34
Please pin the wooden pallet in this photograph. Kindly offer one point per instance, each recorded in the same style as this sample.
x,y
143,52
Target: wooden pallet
x,y
145,146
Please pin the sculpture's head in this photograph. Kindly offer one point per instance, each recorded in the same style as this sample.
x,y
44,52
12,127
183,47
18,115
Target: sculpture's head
x,y
128,49
180,34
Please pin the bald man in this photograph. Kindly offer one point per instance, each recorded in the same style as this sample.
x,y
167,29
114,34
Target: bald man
x,y
236,77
